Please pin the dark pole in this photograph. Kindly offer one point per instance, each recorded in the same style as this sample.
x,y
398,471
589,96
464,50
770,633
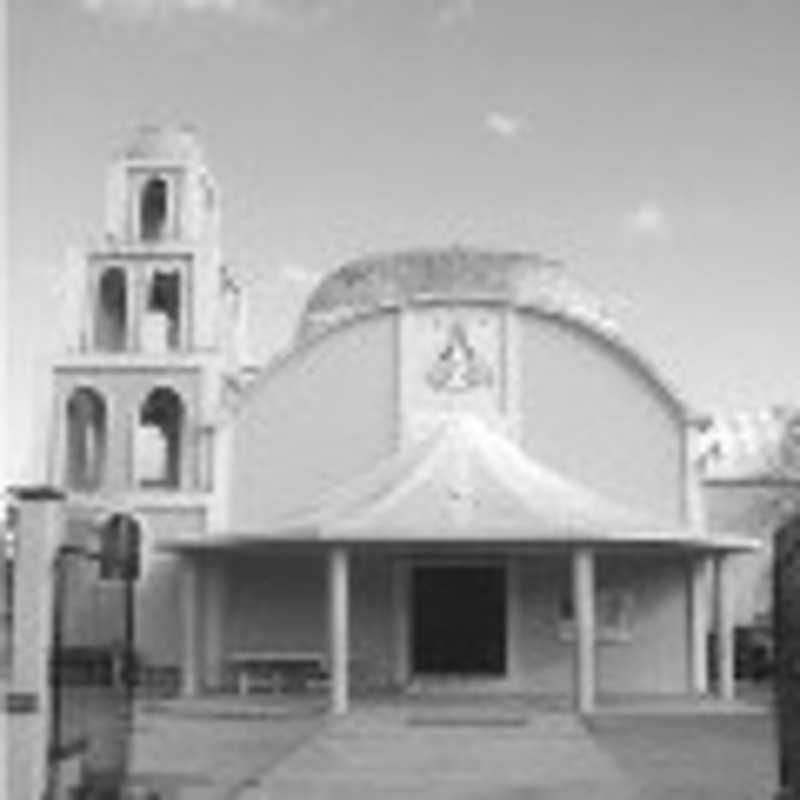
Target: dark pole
x,y
130,639
128,574
55,668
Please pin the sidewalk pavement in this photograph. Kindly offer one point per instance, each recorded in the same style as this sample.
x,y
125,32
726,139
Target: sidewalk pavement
x,y
433,748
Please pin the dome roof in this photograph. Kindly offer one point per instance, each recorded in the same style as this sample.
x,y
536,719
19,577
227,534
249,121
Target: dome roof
x,y
164,143
457,274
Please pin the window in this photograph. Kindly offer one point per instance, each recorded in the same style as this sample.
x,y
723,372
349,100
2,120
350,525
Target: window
x,y
162,322
111,320
153,210
159,439
613,615
86,439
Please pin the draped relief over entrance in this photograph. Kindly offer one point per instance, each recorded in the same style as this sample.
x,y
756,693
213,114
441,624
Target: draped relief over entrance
x,y
459,620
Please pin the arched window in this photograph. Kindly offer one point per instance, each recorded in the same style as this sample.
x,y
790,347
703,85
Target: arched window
x,y
153,210
158,440
86,439
162,325
112,310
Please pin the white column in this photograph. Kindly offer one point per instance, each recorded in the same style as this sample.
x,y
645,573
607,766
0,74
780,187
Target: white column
x,y
38,534
723,608
134,309
583,604
190,626
338,607
400,614
697,623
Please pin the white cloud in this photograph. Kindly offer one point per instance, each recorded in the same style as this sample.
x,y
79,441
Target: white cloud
x,y
456,14
648,220
289,14
506,126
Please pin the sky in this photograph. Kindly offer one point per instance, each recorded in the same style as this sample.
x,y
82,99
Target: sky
x,y
650,146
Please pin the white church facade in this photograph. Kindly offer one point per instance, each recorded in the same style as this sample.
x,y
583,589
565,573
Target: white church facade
x,y
457,473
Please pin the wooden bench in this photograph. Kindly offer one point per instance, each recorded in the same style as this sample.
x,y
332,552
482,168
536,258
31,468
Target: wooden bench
x,y
276,670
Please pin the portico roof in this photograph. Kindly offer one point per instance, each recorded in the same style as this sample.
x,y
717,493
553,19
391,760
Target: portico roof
x,y
465,482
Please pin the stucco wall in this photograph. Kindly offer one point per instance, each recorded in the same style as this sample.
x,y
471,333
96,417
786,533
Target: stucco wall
x,y
275,602
325,415
588,412
757,509
656,658
278,602
125,392
93,608
652,659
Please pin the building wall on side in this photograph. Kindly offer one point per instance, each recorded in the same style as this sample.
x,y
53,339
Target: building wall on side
x,y
758,509
324,416
589,413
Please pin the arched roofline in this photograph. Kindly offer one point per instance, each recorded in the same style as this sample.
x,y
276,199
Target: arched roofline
x,y
610,338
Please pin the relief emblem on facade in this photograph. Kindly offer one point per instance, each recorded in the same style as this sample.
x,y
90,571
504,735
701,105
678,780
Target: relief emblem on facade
x,y
459,367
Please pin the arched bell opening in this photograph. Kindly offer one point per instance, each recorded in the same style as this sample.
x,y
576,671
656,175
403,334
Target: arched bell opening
x,y
159,439
86,439
162,325
153,210
112,310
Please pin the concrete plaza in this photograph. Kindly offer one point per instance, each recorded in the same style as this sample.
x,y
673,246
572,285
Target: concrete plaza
x,y
497,748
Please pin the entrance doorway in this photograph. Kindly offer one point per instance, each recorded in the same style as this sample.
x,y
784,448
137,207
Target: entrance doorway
x,y
459,620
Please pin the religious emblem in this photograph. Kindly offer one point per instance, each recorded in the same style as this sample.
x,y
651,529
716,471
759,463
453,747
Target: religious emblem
x,y
458,367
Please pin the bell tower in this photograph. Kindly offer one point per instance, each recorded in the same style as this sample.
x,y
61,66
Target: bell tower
x,y
162,222
135,406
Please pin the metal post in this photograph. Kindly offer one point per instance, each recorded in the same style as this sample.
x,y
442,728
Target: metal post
x,y
130,643
55,668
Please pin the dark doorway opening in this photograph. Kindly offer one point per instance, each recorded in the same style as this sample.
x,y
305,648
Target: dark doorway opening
x,y
459,620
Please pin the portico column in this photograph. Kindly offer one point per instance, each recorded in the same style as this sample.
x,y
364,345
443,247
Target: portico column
x,y
338,607
583,601
697,627
190,626
723,607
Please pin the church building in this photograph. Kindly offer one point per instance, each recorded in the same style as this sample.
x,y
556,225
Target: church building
x,y
458,474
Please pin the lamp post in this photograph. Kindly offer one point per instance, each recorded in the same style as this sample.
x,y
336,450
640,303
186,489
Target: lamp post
x,y
107,760
56,743
119,560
